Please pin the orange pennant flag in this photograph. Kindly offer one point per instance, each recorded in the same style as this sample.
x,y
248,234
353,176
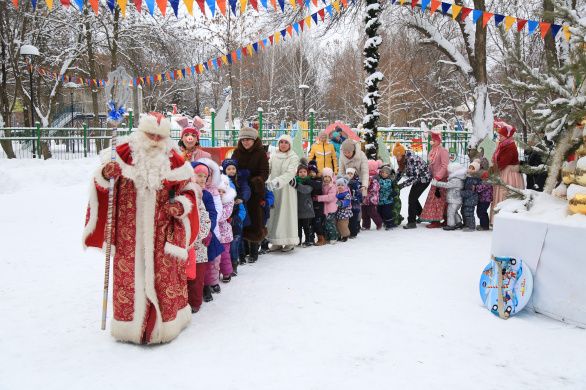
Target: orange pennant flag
x,y
95,5
314,2
274,4
336,5
162,6
243,4
544,27
435,4
290,30
345,3
567,33
456,11
509,21
15,3
293,4
234,56
122,5
50,4
189,6
222,6
486,18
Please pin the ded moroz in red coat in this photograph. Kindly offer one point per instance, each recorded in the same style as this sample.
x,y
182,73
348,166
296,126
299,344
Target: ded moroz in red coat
x,y
150,248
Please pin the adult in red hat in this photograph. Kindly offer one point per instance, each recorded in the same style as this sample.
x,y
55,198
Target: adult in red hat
x,y
189,142
435,204
505,162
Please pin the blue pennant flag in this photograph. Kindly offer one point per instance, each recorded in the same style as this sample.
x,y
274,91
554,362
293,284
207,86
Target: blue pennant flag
x,y
255,47
34,4
172,74
498,19
329,9
284,33
296,27
555,29
308,3
446,7
393,1
314,17
175,6
78,2
150,6
229,57
264,4
531,26
183,72
265,42
163,76
282,5
324,1
215,62
193,70
476,14
152,79
233,4
424,4
239,54
205,65
111,5
212,5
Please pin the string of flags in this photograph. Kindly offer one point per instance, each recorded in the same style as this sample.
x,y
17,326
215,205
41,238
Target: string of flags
x,y
315,18
215,63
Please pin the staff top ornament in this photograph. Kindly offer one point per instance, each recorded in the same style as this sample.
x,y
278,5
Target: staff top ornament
x,y
118,94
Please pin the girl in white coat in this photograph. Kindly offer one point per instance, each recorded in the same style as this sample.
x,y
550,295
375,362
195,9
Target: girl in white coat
x,y
282,224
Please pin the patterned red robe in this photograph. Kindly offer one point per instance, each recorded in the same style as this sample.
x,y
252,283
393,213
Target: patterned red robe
x,y
149,282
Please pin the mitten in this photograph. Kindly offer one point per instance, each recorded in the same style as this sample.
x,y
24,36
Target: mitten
x,y
112,170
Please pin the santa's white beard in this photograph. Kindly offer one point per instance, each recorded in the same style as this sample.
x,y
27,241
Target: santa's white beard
x,y
151,160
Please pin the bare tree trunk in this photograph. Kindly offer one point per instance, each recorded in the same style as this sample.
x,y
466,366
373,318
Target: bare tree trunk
x,y
92,67
4,102
551,54
559,154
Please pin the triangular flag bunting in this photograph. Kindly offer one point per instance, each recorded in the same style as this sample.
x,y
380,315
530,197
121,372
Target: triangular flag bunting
x,y
162,4
174,5
232,57
110,3
233,4
49,4
544,27
567,33
293,4
296,27
498,19
456,11
531,26
301,23
274,4
308,21
212,6
336,5
509,20
465,12
222,6
255,47
314,17
314,2
94,4
138,5
254,4
34,2
225,59
414,3
250,49
424,4
121,4
520,24
277,38
290,30
486,18
202,6
265,4
308,3
446,7
15,3
301,3
150,6
476,14
321,14
555,29
282,5
271,39
284,32
434,6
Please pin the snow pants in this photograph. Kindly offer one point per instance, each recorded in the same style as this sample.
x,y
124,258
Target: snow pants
x,y
386,213
453,214
226,261
330,227
469,218
342,225
304,228
370,212
317,226
195,287
415,208
354,223
482,213
212,274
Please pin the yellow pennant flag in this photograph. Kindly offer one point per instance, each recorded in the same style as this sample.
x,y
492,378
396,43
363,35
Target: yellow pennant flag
x,y
456,11
225,59
250,49
509,21
308,21
122,5
567,33
293,4
189,6
50,4
277,37
402,2
243,4
336,5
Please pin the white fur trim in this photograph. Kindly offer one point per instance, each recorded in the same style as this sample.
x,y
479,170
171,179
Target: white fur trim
x,y
150,124
171,329
186,203
176,251
93,220
229,193
214,169
100,180
184,172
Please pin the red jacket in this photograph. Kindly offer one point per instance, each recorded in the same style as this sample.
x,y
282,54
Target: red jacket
x,y
507,155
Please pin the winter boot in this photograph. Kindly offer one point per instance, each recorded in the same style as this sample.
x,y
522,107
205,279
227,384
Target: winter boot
x,y
242,259
216,289
253,252
434,225
287,248
207,294
321,240
410,225
226,278
194,309
450,228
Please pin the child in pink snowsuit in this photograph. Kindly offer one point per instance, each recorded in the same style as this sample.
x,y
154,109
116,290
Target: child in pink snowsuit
x,y
328,198
227,194
370,201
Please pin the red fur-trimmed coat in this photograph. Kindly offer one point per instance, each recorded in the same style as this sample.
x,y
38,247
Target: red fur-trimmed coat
x,y
150,248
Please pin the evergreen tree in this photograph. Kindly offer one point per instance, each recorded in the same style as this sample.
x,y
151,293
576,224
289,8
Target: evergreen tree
x,y
371,59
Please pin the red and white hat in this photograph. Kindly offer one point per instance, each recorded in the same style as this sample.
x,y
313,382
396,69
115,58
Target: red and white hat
x,y
190,130
504,129
155,123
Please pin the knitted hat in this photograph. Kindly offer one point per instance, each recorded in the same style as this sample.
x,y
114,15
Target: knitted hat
x,y
372,167
342,181
328,172
398,150
155,123
387,169
351,171
348,146
190,130
247,133
436,136
200,168
476,165
504,129
229,162
302,165
312,166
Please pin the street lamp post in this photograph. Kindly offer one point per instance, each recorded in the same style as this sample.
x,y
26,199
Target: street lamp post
x,y
28,52
303,89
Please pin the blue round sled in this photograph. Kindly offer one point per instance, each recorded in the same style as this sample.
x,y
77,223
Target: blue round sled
x,y
506,285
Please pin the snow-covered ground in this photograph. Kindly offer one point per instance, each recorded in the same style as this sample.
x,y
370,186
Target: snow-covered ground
x,y
397,309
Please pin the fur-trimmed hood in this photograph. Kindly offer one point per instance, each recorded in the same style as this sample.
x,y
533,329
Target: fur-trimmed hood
x,y
214,171
229,193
